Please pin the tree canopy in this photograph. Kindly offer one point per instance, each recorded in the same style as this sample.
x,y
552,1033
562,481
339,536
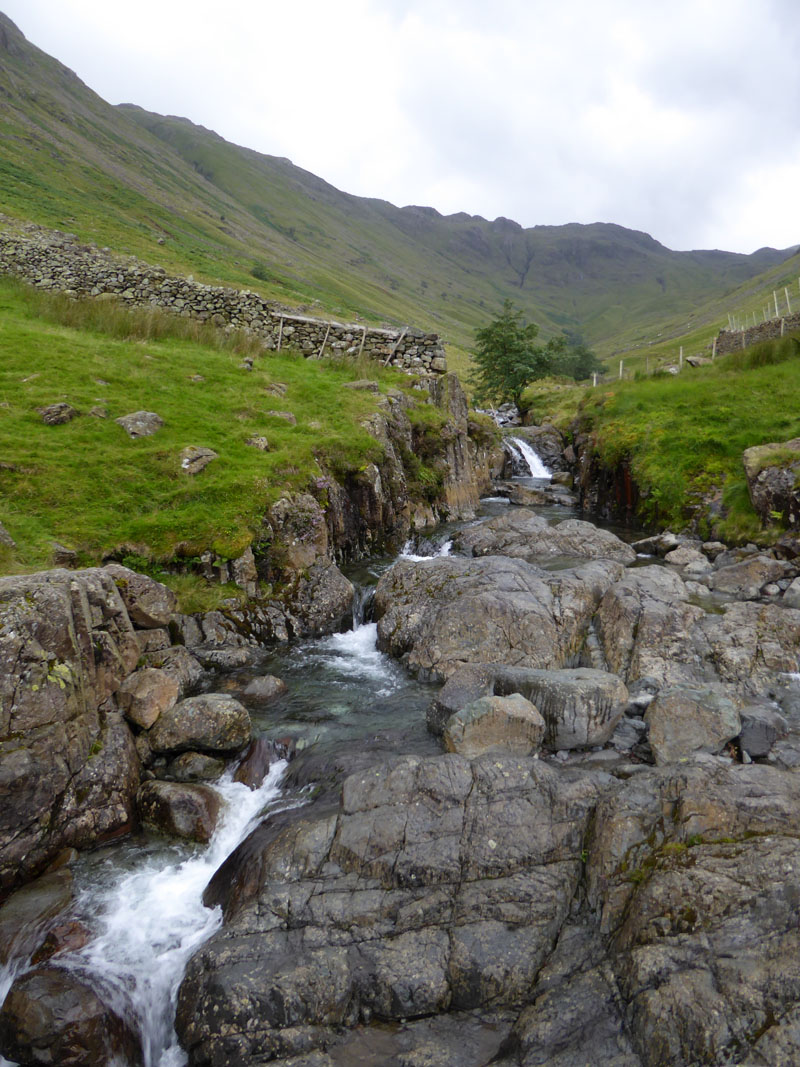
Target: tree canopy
x,y
507,358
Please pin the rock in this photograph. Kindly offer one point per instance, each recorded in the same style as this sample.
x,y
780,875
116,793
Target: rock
x,y
321,599
363,384
150,604
298,523
154,640
762,726
140,423
495,724
547,442
51,1016
179,810
211,722
526,496
259,442
772,480
441,613
581,706
388,910
276,389
685,554
6,539
63,556
256,763
145,694
244,572
25,916
287,416
265,688
791,597
684,720
464,686
57,414
66,645
745,580
179,663
644,623
689,901
195,767
658,544
195,459
65,937
523,534
98,412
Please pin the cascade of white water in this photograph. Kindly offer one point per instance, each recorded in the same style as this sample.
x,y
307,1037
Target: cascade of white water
x,y
535,465
151,919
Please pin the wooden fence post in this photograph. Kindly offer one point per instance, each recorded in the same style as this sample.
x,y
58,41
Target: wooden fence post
x,y
788,302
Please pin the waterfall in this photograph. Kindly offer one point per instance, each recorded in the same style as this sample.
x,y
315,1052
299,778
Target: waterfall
x,y
526,456
151,919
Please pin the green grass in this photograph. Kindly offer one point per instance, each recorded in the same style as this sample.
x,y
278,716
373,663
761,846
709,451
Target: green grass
x,y
89,486
685,435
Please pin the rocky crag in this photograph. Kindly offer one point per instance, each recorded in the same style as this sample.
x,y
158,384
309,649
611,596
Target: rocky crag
x,y
600,866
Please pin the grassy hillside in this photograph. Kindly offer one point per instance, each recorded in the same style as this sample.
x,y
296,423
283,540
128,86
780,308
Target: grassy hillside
x,y
685,435
89,486
178,195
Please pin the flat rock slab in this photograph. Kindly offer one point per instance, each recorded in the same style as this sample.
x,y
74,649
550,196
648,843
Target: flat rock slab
x,y
522,534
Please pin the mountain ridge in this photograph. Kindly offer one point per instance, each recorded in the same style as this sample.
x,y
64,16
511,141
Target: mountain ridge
x,y
167,187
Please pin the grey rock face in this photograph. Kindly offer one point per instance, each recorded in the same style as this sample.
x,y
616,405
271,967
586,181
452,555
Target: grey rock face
x,y
523,534
211,722
444,884
66,644
684,720
149,603
441,613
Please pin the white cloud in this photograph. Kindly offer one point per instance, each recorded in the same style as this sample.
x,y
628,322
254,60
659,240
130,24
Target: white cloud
x,y
676,119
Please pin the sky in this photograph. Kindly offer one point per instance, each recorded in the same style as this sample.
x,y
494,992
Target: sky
x,y
678,118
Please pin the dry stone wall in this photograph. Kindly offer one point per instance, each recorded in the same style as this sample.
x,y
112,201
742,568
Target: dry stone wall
x,y
57,261
735,340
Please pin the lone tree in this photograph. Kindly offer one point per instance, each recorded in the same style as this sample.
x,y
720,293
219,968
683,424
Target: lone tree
x,y
507,359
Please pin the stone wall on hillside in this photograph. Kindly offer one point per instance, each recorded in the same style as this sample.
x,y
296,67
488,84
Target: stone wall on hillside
x,y
57,261
735,340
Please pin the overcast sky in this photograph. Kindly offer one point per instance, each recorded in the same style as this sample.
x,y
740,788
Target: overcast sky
x,y
679,118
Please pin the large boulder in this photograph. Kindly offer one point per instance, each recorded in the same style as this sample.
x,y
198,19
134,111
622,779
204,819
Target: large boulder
x,y
210,722
145,694
522,534
495,724
52,1016
150,604
66,766
746,579
683,720
179,809
441,613
439,885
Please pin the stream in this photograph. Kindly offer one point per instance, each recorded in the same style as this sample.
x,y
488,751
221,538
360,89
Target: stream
x,y
142,898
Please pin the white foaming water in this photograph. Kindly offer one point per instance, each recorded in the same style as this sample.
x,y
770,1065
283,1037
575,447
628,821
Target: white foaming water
x,y
152,920
355,654
535,465
407,552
